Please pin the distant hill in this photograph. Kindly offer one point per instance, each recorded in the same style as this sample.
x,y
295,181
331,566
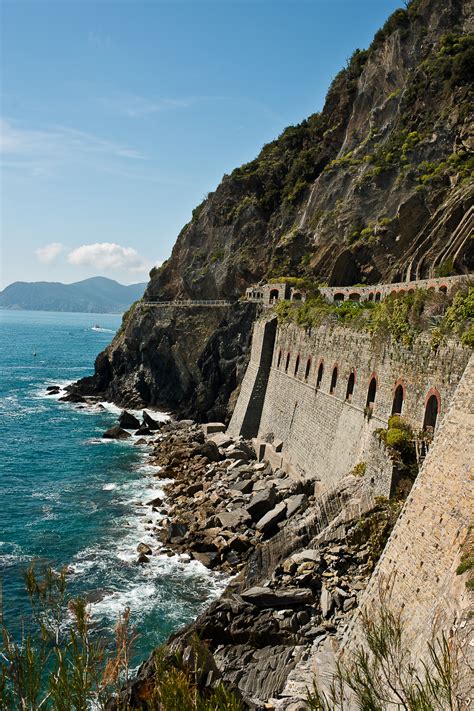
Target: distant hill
x,y
95,295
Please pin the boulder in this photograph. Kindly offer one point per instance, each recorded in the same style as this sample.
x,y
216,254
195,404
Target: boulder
x,y
128,421
261,503
50,388
238,454
308,554
144,548
143,558
271,518
233,519
207,559
155,502
73,397
150,422
213,427
243,486
221,439
142,431
208,449
326,602
116,432
285,597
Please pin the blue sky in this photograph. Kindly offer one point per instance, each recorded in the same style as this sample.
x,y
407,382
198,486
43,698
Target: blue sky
x,y
119,116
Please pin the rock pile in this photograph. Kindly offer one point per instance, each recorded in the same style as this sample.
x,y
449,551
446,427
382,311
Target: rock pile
x,y
221,502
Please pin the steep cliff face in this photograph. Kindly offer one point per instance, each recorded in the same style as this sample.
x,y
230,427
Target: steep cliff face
x,y
377,187
345,195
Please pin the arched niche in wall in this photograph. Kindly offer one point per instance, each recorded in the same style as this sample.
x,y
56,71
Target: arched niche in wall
x,y
333,380
274,295
287,364
398,398
307,369
350,386
320,375
432,409
378,296
371,393
296,296
443,289
279,358
354,296
339,296
297,364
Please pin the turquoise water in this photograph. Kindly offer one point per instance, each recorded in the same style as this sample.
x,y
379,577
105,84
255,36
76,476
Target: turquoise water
x,y
69,498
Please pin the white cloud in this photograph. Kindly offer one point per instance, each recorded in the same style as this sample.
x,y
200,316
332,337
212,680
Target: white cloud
x,y
49,252
139,106
108,255
58,143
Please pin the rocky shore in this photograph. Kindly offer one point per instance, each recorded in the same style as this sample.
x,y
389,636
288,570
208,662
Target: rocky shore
x,y
300,558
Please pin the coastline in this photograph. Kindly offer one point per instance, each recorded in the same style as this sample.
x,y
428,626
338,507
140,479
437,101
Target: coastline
x,y
292,561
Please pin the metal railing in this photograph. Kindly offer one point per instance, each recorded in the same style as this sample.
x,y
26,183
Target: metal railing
x,y
187,302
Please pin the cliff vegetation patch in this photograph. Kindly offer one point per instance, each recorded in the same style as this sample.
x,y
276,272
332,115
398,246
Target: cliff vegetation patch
x,y
402,317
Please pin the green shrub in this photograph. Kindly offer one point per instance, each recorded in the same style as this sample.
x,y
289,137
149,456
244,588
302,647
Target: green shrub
x,y
467,563
359,469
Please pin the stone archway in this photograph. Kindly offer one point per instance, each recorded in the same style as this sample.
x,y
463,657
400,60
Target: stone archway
x,y
432,409
398,399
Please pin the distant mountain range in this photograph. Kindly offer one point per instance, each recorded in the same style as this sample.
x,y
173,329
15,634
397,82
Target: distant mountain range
x,y
95,295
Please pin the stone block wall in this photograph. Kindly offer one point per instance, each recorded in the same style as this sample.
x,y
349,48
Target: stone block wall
x,y
419,563
325,430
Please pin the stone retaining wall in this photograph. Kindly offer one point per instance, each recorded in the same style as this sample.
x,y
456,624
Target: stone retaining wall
x,y
326,433
420,559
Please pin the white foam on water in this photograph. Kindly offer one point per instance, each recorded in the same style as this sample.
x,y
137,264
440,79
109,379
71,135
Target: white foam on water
x,y
109,487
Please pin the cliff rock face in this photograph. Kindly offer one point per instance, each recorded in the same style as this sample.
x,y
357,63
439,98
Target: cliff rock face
x,y
376,188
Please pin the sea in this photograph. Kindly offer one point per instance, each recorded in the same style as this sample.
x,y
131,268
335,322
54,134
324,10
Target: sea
x,y
70,499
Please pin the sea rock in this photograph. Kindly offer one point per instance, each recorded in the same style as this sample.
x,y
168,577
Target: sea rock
x,y
50,388
142,430
271,518
286,597
116,432
144,548
150,422
143,558
128,421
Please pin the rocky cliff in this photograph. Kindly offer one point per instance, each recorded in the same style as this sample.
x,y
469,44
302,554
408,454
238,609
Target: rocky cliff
x,y
377,187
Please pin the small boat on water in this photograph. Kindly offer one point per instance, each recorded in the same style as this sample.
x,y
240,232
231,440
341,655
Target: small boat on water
x,y
96,327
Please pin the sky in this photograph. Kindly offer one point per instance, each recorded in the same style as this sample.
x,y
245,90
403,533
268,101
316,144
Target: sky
x,y
118,116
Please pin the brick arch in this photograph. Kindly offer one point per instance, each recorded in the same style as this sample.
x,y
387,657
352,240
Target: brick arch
x,y
307,369
443,288
339,296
